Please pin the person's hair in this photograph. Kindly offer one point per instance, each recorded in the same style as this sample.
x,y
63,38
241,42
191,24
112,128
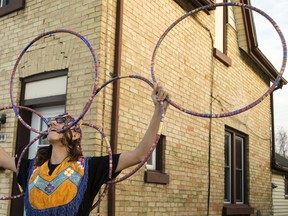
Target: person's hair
x,y
73,148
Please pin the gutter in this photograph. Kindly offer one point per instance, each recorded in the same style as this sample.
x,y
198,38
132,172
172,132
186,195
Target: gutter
x,y
272,131
115,98
273,164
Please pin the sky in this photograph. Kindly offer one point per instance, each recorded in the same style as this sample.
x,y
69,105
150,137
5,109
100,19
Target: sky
x,y
270,44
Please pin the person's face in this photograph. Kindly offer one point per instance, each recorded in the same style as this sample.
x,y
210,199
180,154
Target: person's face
x,y
55,124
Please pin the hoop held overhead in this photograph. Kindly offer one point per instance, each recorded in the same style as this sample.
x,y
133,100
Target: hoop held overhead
x,y
249,106
88,103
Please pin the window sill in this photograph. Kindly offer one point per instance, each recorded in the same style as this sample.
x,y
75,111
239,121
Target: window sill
x,y
237,209
156,177
222,57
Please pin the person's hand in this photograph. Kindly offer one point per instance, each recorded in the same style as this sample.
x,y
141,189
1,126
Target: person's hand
x,y
6,161
2,152
159,94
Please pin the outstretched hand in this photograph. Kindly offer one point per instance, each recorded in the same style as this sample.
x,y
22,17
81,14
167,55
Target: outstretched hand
x,y
159,94
6,161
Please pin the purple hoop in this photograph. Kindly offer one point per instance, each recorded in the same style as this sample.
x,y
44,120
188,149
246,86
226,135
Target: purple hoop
x,y
11,197
101,196
110,161
21,156
88,103
275,84
18,167
157,135
140,164
108,146
40,135
31,110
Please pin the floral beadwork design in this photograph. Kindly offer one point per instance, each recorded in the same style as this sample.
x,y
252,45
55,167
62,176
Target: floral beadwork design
x,y
69,172
81,163
36,179
49,188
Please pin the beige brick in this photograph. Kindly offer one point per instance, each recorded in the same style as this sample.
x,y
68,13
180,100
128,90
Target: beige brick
x,y
186,68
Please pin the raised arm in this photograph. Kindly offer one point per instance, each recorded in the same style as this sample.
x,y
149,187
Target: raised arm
x,y
7,161
135,156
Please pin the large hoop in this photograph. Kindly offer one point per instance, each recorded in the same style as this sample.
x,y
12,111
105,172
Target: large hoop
x,y
110,162
157,135
88,103
249,106
40,135
31,110
25,149
18,166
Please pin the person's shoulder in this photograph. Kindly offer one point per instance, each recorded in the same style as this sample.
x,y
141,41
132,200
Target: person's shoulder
x,y
95,158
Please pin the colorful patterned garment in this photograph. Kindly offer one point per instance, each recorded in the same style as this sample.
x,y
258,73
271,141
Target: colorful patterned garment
x,y
60,193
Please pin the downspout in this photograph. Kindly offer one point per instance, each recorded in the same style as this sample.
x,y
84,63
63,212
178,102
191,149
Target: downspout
x,y
115,97
272,131
273,160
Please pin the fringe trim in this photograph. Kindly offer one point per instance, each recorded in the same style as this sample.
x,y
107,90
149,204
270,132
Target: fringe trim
x,y
69,209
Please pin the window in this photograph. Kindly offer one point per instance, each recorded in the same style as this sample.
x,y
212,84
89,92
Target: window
x,y
155,165
220,43
234,168
189,5
286,187
235,197
9,6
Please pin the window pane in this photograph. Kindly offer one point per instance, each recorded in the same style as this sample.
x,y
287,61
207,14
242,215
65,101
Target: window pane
x,y
43,127
239,186
8,1
227,195
227,149
219,27
286,185
151,163
239,169
239,152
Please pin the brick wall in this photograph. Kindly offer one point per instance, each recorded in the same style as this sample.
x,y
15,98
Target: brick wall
x,y
184,64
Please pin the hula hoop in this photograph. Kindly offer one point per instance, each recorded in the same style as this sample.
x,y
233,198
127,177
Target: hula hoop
x,y
110,163
25,149
31,110
101,197
88,103
18,167
110,160
249,106
11,197
40,135
157,135
107,143
142,162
